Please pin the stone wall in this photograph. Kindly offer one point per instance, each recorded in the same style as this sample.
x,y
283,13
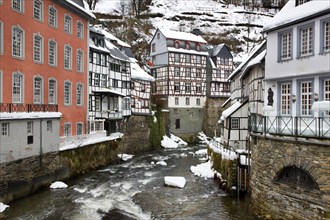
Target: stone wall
x,y
212,116
285,200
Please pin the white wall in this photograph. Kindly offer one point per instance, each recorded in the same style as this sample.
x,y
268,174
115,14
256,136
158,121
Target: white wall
x,y
182,102
161,46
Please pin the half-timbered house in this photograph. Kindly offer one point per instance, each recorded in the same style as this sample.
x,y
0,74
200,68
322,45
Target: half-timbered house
x,y
246,98
179,68
109,83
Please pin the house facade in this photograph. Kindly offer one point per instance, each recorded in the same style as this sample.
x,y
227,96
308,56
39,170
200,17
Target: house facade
x,y
246,99
109,83
293,135
179,67
43,65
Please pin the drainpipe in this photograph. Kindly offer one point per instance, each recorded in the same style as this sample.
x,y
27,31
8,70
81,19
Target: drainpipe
x,y
40,142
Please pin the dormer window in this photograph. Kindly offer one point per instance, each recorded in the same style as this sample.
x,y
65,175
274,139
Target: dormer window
x,y
198,46
95,41
101,42
158,35
187,45
300,2
177,44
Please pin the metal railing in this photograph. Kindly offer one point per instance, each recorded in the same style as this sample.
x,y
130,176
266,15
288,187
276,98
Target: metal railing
x,y
23,107
306,127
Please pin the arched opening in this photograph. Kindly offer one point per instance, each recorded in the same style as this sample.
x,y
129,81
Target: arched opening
x,y
296,177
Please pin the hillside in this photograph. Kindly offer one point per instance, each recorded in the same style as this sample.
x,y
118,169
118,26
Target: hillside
x,y
237,26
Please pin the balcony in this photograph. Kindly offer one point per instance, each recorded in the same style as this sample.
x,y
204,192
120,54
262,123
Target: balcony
x,y
303,127
23,107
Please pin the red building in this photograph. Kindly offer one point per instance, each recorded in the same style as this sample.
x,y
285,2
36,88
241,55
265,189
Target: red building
x,y
43,59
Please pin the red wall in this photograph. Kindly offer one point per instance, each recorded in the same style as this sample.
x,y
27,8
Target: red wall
x,y
29,68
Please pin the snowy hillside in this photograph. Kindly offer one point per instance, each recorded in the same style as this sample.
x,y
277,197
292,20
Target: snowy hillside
x,y
238,27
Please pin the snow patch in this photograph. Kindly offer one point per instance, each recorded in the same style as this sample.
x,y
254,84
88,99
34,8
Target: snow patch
x,y
58,185
125,157
203,170
175,181
163,163
3,207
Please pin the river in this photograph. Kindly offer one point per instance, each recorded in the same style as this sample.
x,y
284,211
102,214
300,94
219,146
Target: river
x,y
135,190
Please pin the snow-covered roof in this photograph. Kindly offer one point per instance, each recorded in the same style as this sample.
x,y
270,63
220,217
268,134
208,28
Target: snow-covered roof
x,y
182,36
138,73
29,115
182,50
253,62
84,9
92,45
112,37
106,90
291,13
216,49
247,59
115,52
226,113
226,102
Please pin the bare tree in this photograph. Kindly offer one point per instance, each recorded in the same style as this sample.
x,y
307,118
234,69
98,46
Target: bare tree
x,y
124,7
92,3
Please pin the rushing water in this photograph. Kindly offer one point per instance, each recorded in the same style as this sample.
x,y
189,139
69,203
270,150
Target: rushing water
x,y
135,190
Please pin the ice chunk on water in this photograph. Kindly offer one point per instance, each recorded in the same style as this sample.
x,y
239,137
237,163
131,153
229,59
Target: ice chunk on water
x,y
176,181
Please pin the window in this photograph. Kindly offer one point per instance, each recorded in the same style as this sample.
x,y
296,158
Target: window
x,y
177,44
187,101
326,89
67,93
325,36
67,57
52,16
38,10
306,47
17,96
126,103
52,91
198,60
52,53
198,46
103,60
90,103
17,42
67,129
104,80
153,47
198,88
158,35
188,72
285,44
1,37
37,48
234,123
306,90
187,45
115,83
80,30
198,73
37,90
176,87
96,79
97,103
177,57
80,94
5,129
79,128
300,2
285,98
188,58
80,60
49,126
177,123
188,87
176,101
198,101
30,132
176,71
18,5
67,24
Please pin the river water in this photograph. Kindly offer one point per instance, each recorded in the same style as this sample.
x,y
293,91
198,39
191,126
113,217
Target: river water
x,y
135,190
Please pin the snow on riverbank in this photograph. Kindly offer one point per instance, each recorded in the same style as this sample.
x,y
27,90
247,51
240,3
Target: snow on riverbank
x,y
125,157
203,170
3,207
58,185
172,142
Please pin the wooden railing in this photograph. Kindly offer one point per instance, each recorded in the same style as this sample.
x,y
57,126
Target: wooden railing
x,y
23,107
306,127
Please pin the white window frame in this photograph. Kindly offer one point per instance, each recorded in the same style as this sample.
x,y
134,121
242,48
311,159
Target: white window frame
x,y
1,38
176,71
176,57
285,45
234,123
18,97
38,48
80,29
306,40
324,36
177,87
67,93
285,100
52,18
5,129
198,88
52,92
97,103
306,98
29,126
20,4
67,57
188,87
187,101
176,100
79,128
37,90
80,94
67,24
52,61
67,129
198,101
20,44
38,11
80,61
